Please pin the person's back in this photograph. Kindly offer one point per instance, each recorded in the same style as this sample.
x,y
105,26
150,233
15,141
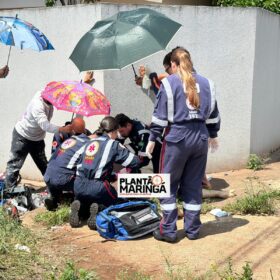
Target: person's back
x,y
99,156
34,122
63,162
185,102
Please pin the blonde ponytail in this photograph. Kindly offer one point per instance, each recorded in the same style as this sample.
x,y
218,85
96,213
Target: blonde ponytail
x,y
185,67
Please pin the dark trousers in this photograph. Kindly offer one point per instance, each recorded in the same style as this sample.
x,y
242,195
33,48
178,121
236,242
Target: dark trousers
x,y
20,148
156,157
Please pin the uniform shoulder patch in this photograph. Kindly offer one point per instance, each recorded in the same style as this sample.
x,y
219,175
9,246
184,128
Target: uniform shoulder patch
x,y
92,148
69,143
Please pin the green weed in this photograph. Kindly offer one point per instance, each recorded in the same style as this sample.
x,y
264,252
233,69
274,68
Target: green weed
x,y
54,218
255,162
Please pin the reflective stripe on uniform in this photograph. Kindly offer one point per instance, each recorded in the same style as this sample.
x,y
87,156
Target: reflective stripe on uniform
x,y
142,154
191,207
159,122
129,148
78,138
197,88
213,96
75,157
128,160
214,120
170,101
104,159
142,131
168,207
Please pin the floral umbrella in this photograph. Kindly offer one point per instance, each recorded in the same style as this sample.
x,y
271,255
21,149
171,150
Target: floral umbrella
x,y
76,97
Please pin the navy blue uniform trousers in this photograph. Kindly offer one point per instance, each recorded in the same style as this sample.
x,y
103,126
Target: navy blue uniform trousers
x,y
185,159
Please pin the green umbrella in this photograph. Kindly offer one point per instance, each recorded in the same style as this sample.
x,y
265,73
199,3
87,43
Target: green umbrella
x,y
123,39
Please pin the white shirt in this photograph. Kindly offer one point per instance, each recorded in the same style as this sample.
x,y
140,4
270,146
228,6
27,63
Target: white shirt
x,y
36,120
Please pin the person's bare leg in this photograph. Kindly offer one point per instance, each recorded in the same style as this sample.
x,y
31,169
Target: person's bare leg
x,y
217,193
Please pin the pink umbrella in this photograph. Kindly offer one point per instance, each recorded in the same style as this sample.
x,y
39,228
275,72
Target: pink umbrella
x,y
76,97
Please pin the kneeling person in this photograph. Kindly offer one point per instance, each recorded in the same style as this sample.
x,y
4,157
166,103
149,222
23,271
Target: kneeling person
x,y
61,170
94,173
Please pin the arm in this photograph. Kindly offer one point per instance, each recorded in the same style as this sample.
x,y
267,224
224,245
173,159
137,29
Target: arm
x,y
159,118
125,158
144,135
213,123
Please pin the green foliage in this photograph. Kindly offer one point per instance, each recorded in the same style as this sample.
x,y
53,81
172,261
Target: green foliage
x,y
16,264
54,218
229,274
260,203
255,162
50,3
270,5
72,273
128,275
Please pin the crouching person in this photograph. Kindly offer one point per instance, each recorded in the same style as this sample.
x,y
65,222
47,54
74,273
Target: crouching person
x,y
92,186
61,170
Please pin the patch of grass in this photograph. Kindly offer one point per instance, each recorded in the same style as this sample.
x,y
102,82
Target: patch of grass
x,y
255,162
261,203
206,207
132,275
16,264
54,218
72,273
230,274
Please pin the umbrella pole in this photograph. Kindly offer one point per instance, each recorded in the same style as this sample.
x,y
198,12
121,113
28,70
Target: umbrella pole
x,y
72,117
9,55
134,70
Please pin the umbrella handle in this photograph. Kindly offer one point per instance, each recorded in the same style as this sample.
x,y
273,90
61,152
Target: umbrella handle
x,y
9,55
134,70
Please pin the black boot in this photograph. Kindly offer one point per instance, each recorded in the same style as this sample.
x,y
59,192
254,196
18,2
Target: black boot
x,y
51,203
92,218
160,237
74,219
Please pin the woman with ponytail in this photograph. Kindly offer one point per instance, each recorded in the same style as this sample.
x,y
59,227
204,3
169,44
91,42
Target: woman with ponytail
x,y
185,102
95,171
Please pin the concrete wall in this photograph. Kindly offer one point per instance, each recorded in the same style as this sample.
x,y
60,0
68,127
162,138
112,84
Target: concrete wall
x,y
265,131
31,71
222,42
210,34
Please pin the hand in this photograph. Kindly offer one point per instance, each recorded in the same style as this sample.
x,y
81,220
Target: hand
x,y
88,78
150,148
213,144
138,81
66,129
4,71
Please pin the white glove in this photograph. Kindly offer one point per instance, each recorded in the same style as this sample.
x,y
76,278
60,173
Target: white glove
x,y
150,148
213,144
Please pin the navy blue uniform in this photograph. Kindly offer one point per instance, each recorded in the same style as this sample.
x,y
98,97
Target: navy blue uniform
x,y
95,169
61,170
58,139
139,138
185,147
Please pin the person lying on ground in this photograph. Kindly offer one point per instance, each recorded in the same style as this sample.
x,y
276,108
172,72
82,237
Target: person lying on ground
x,y
92,185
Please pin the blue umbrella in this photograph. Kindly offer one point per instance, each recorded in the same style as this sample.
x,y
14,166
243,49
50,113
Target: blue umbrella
x,y
22,34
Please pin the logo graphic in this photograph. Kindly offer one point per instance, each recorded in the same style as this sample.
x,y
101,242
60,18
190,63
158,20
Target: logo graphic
x,y
91,151
144,185
69,143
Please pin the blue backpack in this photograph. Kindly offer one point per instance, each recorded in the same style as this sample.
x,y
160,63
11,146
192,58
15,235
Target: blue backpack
x,y
128,220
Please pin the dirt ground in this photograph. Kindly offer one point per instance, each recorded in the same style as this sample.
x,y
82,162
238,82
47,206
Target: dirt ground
x,y
255,239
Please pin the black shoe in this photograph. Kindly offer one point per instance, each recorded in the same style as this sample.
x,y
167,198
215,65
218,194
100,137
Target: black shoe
x,y
50,204
192,237
92,218
74,219
160,237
